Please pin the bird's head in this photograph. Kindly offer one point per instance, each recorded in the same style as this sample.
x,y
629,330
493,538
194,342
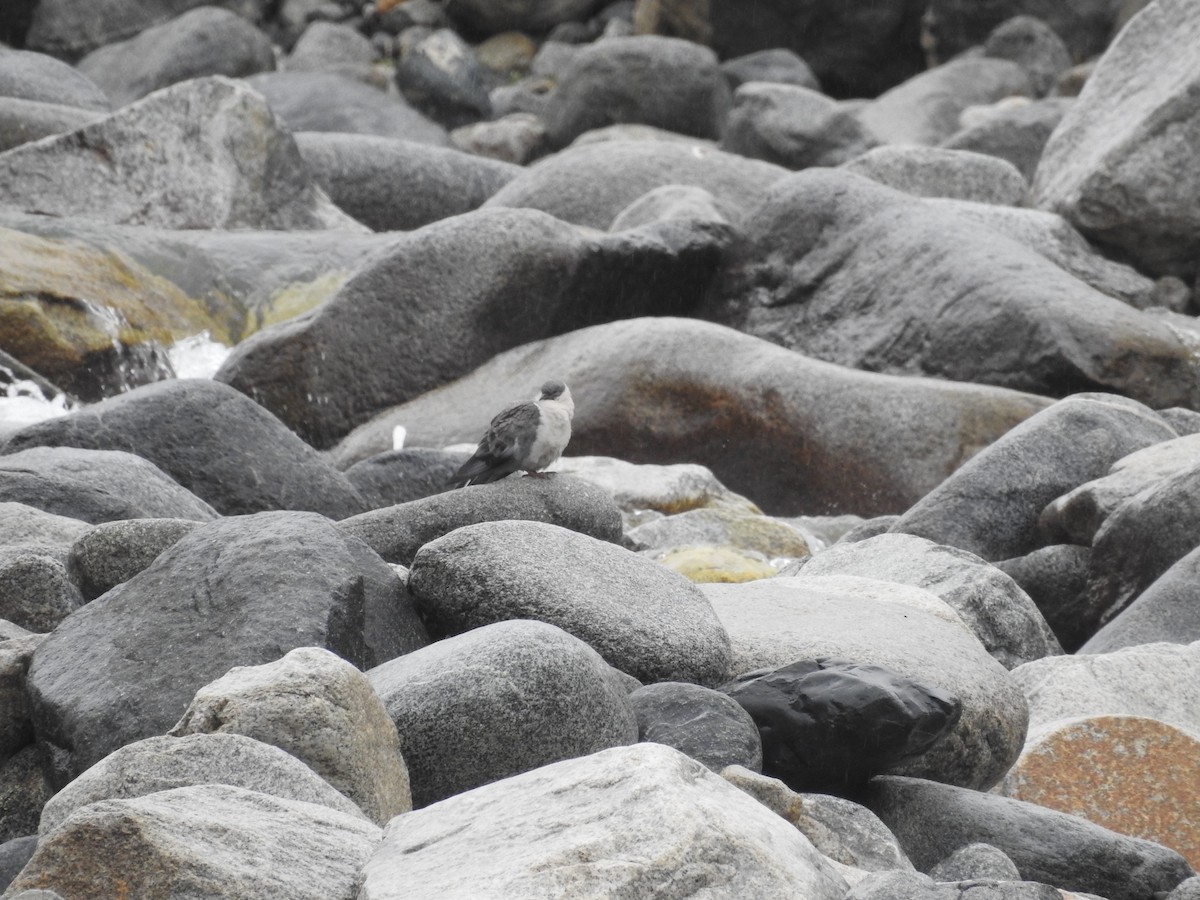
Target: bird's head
x,y
556,390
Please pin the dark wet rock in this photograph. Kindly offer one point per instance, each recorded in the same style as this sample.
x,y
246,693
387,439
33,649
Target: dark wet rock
x,y
951,27
590,184
925,108
397,532
207,40
974,861
14,855
96,485
24,790
230,841
35,591
218,160
642,618
442,77
113,552
401,476
492,17
1141,540
530,277
1017,134
1126,138
1001,615
856,273
212,440
1168,610
163,763
793,434
776,66
932,820
395,185
937,172
1055,578
330,101
239,591
792,126
36,77
832,724
666,82
497,701
853,50
1034,46
704,723
991,505
774,622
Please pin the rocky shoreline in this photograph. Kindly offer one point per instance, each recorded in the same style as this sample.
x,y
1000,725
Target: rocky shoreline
x,y
870,572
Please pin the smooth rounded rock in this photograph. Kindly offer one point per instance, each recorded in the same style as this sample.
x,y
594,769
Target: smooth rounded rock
x,y
113,552
703,723
940,172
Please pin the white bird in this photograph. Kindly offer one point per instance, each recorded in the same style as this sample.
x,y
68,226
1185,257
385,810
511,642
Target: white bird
x,y
527,436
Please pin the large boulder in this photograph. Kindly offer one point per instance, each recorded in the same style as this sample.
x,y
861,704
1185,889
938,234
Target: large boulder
x,y
938,172
590,184
397,532
1168,610
394,185
991,506
500,700
642,618
775,622
207,40
856,273
531,276
203,154
666,82
794,434
43,79
240,591
208,840
632,821
1119,164
1015,133
213,440
96,486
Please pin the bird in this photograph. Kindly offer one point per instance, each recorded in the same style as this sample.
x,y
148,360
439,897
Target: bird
x,y
526,436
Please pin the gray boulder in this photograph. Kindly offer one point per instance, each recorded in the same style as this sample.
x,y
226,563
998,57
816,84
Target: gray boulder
x,y
211,439
25,75
16,726
207,40
531,276
239,591
571,829
23,121
925,109
1141,540
707,725
590,184
792,126
331,46
1117,166
1017,134
394,185
1034,46
210,840
441,76
856,273
974,861
401,476
938,172
217,160
641,617
398,532
831,442
23,525
26,790
1000,614
1055,578
1167,610
932,820
96,486
35,591
667,82
331,101
498,701
916,886
951,27
113,552
775,66
163,763
14,854
991,505
347,737
772,625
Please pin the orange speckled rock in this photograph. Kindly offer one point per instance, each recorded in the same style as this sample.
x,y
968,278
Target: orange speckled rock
x,y
1131,774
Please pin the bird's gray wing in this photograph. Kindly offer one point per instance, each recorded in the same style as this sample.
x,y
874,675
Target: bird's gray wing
x,y
502,449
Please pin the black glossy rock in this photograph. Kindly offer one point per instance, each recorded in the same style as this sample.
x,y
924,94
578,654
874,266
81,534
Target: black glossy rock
x,y
707,725
831,724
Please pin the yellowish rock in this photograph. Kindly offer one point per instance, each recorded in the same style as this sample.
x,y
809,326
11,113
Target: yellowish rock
x,y
710,564
723,526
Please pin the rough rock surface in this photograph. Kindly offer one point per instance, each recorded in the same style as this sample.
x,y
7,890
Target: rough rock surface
x,y
940,172
1168,610
113,552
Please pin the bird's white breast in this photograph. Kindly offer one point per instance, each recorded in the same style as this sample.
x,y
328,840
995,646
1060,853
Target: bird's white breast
x,y
553,433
